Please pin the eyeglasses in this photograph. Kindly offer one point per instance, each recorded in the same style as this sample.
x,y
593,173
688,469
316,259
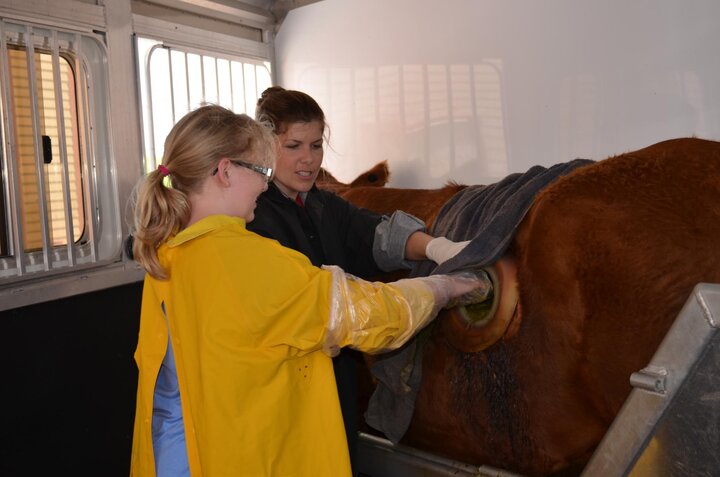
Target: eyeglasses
x,y
267,172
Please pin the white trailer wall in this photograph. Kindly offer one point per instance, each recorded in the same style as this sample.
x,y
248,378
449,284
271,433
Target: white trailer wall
x,y
472,90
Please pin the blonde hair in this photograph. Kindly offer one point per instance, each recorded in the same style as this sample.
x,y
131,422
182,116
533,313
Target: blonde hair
x,y
193,149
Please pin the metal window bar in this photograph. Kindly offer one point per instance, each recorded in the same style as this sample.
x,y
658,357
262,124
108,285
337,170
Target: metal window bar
x,y
151,116
232,86
249,74
172,91
202,77
62,143
39,166
243,87
217,80
257,82
12,185
83,84
4,198
187,80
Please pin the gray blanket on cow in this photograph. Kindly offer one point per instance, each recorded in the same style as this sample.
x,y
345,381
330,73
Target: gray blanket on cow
x,y
487,216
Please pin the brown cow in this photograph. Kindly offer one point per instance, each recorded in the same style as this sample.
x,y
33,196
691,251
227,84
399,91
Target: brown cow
x,y
376,176
606,257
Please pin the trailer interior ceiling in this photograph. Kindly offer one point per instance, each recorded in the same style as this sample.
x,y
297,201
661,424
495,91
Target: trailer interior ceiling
x,y
259,13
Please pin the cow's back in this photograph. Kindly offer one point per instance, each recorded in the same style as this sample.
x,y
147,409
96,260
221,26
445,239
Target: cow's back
x,y
607,257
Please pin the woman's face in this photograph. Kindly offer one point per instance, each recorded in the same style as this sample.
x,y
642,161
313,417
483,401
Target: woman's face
x,y
299,157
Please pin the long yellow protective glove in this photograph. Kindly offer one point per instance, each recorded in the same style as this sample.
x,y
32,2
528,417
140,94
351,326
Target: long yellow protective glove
x,y
375,317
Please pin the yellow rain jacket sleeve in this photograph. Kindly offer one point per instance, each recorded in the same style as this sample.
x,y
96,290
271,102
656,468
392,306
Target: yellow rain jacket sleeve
x,y
248,320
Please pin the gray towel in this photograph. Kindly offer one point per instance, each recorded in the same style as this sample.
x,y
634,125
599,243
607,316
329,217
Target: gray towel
x,y
487,216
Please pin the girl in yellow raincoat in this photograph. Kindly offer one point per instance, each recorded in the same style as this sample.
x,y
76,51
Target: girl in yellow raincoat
x,y
237,332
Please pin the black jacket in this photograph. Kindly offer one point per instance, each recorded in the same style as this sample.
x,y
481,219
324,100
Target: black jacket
x,y
328,229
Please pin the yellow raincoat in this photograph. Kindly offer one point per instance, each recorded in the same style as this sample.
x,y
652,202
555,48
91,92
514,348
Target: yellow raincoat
x,y
248,321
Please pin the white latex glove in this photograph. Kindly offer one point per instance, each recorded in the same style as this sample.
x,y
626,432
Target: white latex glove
x,y
440,249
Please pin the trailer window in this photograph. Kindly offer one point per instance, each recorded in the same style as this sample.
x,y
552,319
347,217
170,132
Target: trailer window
x,y
55,180
175,79
51,138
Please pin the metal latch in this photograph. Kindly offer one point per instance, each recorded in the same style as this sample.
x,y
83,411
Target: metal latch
x,y
651,378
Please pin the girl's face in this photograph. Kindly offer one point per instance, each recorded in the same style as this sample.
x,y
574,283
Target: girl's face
x,y
300,156
248,184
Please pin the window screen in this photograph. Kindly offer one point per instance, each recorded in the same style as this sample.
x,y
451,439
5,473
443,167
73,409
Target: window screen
x,y
174,80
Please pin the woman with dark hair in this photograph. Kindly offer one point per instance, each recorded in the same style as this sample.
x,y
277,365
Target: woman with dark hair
x,y
326,228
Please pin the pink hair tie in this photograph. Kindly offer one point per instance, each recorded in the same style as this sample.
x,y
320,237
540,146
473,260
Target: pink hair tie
x,y
164,170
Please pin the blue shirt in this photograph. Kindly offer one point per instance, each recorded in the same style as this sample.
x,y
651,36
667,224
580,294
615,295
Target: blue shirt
x,y
168,432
